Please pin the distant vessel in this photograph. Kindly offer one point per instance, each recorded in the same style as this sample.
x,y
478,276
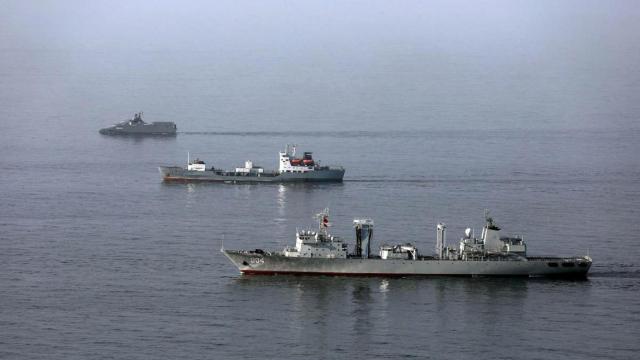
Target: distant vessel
x,y
318,252
136,126
292,169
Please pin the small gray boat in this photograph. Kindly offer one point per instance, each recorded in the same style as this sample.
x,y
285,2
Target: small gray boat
x,y
136,126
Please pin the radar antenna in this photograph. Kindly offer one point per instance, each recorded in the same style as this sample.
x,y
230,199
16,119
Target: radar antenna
x,y
490,223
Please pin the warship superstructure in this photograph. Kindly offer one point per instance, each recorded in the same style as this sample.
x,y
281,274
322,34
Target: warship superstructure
x,y
319,253
291,169
137,126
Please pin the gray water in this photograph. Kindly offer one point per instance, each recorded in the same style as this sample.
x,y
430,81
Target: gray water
x,y
438,111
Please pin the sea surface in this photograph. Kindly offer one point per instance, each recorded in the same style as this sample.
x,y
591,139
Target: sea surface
x,y
437,111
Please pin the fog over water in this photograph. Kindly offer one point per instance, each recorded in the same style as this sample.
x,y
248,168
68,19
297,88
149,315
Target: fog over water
x,y
437,109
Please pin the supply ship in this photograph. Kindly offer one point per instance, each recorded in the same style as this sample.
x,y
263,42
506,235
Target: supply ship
x,y
319,253
291,169
137,126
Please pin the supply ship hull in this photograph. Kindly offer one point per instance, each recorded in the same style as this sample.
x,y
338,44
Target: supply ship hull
x,y
176,173
270,264
291,169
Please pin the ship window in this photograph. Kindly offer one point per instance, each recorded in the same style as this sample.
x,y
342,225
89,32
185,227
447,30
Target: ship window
x,y
552,264
568,264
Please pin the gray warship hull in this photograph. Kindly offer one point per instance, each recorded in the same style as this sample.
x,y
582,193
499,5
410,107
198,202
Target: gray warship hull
x,y
179,174
155,128
249,262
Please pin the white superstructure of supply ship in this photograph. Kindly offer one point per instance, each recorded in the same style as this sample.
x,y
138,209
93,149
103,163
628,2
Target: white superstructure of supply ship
x,y
319,253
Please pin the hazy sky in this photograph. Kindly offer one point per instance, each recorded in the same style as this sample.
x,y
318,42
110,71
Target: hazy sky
x,y
194,25
563,63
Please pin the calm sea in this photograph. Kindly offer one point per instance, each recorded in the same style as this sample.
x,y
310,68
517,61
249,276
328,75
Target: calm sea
x,y
437,111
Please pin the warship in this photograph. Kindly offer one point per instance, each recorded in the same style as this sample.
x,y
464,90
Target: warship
x,y
291,169
136,126
319,253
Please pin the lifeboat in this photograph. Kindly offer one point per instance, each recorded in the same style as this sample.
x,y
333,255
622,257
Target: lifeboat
x,y
295,161
307,162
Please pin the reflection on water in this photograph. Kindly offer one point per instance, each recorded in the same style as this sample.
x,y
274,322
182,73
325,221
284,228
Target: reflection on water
x,y
366,312
192,196
282,200
138,138
384,286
